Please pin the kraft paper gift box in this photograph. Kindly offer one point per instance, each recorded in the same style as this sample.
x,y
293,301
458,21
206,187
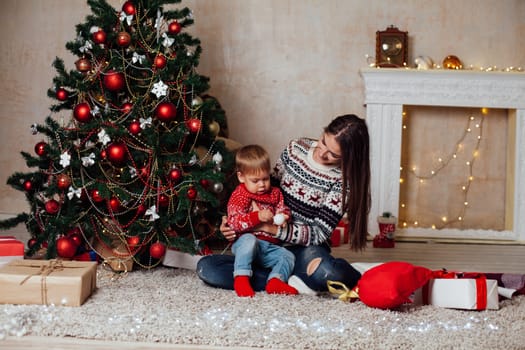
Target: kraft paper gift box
x,y
10,249
47,282
460,293
118,258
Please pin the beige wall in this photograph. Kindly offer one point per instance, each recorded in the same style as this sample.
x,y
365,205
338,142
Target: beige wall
x,y
280,68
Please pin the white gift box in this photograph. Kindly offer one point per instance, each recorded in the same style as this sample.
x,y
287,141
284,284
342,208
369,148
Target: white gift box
x,y
459,293
175,258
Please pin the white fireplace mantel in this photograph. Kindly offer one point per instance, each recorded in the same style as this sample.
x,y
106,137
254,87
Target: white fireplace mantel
x,y
387,90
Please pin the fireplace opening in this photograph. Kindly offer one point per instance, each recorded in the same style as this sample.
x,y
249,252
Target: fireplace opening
x,y
454,168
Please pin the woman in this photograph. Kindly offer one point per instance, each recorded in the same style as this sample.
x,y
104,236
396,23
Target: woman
x,y
321,180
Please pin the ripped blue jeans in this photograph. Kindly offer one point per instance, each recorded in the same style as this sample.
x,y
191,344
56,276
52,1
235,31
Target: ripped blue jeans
x,y
217,270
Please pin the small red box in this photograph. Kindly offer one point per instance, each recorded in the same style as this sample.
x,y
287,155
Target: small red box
x,y
340,234
10,249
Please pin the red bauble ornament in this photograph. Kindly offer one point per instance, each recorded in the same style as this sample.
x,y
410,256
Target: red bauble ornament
x,y
164,200
194,125
95,196
141,209
114,204
66,248
52,206
166,111
204,183
126,107
134,127
174,27
99,37
31,243
63,181
28,185
157,250
133,241
103,154
160,61
175,175
40,148
192,193
83,65
76,238
116,153
62,94
123,39
114,81
82,112
129,8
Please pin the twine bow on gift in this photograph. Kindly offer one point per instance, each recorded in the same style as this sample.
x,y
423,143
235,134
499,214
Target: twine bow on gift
x,y
44,271
340,290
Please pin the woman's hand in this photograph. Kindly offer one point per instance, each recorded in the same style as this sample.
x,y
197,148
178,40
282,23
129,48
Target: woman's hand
x,y
226,231
269,228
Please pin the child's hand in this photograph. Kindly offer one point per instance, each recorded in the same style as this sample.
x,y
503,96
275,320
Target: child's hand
x,y
265,215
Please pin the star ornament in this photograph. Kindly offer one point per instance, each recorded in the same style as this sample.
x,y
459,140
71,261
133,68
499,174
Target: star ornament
x,y
65,159
159,89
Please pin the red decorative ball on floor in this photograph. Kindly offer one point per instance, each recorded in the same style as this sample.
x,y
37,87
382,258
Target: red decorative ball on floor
x,y
123,39
66,248
160,61
157,250
63,181
99,37
52,206
166,111
134,127
40,148
194,125
116,153
31,243
174,27
62,94
76,238
82,112
114,81
129,8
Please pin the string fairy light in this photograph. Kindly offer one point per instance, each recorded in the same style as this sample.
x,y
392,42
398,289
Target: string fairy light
x,y
472,129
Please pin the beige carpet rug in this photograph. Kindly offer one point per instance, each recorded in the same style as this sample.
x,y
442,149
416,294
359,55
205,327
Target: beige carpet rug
x,y
173,306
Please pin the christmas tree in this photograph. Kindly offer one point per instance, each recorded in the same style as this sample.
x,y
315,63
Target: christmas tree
x,y
130,155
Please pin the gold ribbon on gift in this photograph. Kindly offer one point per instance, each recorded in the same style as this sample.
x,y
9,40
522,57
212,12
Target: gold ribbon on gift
x,y
340,290
44,271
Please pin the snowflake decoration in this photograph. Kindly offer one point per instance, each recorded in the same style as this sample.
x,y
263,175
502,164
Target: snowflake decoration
x,y
159,89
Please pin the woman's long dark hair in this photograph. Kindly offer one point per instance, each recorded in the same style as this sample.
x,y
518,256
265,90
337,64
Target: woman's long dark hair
x,y
351,133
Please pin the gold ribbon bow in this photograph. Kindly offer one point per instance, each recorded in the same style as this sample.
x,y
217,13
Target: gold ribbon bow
x,y
340,290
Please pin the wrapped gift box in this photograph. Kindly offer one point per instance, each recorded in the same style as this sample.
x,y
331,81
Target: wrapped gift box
x,y
175,258
47,282
460,293
340,234
10,249
119,258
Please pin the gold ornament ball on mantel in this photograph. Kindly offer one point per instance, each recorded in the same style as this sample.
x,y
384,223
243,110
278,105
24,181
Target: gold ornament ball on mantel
x,y
452,62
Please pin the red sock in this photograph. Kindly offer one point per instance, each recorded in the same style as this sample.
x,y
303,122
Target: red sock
x,y
242,286
276,286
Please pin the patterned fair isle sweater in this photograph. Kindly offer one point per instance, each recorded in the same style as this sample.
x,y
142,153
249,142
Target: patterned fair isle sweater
x,y
313,192
242,217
